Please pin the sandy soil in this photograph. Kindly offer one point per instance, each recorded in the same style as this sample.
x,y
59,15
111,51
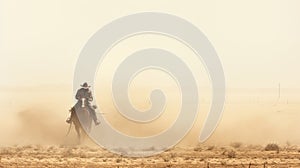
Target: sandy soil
x,y
201,156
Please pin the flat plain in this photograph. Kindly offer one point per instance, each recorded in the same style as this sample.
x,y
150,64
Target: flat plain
x,y
244,156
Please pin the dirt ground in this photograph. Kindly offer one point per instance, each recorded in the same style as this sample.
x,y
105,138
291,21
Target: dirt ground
x,y
201,156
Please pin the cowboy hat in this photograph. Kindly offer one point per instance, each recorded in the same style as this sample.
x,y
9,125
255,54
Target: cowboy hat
x,y
85,85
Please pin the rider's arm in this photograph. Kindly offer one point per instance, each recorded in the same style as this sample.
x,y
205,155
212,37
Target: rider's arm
x,y
90,96
78,95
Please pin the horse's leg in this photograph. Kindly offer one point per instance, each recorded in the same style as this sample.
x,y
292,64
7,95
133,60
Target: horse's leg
x,y
78,133
87,125
83,135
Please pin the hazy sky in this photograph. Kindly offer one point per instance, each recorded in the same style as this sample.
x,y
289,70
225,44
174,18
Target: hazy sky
x,y
257,41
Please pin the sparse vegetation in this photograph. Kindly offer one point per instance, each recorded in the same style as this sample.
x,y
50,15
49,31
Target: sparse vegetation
x,y
82,154
166,159
230,153
272,147
5,151
236,145
70,156
211,147
172,155
118,160
67,152
198,148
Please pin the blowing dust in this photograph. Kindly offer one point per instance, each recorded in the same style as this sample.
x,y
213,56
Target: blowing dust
x,y
248,123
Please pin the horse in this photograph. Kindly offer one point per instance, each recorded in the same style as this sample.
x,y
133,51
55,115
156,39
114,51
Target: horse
x,y
82,120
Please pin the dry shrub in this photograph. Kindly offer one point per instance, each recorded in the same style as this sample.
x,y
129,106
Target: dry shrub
x,y
198,149
82,154
68,152
236,145
272,147
230,153
210,147
223,163
118,160
5,151
166,158
187,158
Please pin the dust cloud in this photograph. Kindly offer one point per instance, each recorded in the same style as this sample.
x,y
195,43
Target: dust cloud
x,y
39,126
248,123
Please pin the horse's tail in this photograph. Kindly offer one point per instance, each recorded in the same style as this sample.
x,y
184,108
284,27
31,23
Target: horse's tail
x,y
69,129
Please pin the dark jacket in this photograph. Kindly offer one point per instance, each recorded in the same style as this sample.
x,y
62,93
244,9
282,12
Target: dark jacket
x,y
84,93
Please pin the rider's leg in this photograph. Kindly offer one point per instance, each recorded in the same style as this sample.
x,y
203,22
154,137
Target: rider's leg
x,y
71,113
93,114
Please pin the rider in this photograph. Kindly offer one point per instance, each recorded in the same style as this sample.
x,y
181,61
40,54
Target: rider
x,y
84,92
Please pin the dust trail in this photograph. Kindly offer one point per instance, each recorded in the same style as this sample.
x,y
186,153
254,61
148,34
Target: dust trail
x,y
39,126
249,124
